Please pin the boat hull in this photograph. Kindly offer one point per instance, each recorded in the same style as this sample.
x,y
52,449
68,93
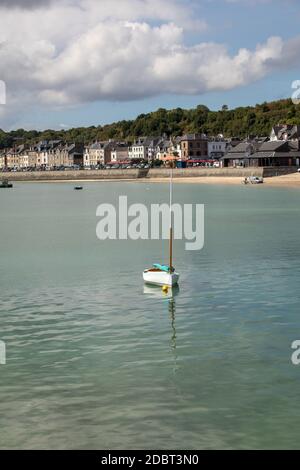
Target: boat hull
x,y
160,278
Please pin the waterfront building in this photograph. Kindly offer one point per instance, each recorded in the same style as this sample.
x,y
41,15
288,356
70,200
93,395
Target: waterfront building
x,y
12,160
216,148
98,153
23,160
156,145
119,152
285,132
194,146
145,148
73,155
45,151
32,158
139,149
13,156
263,154
165,147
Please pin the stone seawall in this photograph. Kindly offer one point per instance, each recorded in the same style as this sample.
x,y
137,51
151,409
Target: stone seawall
x,y
198,172
279,171
128,174
74,175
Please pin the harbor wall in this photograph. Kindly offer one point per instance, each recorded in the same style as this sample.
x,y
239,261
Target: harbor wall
x,y
74,175
198,172
133,174
279,171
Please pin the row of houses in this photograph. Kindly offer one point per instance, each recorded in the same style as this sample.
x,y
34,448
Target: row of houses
x,y
281,148
55,153
156,148
43,154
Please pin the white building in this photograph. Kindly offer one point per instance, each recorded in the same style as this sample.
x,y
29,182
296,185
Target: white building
x,y
138,150
216,148
24,160
98,153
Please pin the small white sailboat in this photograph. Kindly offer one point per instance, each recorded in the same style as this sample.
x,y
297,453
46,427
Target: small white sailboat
x,y
162,275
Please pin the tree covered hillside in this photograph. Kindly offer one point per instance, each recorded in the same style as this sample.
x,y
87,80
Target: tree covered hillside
x,y
239,122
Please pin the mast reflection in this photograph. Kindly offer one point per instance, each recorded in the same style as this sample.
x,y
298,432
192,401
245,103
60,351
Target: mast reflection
x,y
170,296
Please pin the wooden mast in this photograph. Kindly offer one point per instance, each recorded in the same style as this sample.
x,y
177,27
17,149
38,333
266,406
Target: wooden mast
x,y
171,249
171,224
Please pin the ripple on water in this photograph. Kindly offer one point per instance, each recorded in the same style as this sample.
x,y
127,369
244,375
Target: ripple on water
x,y
94,361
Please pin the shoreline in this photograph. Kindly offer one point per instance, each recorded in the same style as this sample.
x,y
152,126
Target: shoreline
x,y
291,180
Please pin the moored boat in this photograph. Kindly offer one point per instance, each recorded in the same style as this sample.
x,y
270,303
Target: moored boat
x,y
160,278
6,184
162,275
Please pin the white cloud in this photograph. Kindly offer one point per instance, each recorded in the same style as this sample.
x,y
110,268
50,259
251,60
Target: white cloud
x,y
83,51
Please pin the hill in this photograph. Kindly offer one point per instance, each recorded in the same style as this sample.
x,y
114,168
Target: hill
x,y
238,122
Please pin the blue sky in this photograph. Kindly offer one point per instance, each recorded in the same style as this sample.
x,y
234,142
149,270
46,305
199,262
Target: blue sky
x,y
90,62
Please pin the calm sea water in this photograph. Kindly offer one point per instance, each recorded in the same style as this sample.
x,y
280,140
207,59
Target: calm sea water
x,y
94,360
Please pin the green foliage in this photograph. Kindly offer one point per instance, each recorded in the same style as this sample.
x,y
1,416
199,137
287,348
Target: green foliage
x,y
239,122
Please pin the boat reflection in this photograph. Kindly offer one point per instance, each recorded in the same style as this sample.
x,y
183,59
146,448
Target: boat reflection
x,y
170,296
156,291
172,311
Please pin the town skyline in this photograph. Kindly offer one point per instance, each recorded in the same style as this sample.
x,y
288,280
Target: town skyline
x,y
280,149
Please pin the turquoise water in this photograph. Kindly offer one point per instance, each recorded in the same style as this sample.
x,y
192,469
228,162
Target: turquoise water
x,y
94,360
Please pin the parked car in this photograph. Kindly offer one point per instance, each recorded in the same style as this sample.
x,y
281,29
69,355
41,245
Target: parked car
x,y
253,180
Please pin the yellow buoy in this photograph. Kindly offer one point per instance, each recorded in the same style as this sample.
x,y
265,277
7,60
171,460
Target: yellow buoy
x,y
165,289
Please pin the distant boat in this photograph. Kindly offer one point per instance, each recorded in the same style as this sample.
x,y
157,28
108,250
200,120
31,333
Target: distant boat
x,y
6,184
78,188
159,274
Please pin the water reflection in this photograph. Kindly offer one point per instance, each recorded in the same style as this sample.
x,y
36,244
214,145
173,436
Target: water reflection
x,y
157,292
170,295
172,311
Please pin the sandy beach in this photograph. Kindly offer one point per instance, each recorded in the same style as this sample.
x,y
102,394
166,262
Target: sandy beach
x,y
292,180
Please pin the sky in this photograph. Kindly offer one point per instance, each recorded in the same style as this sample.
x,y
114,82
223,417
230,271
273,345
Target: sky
x,y
72,63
